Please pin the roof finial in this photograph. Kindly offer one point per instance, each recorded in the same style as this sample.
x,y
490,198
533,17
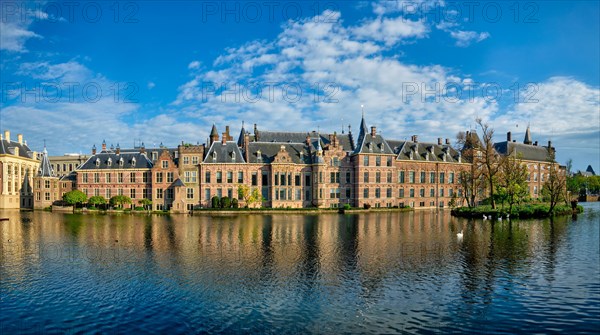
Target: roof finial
x,y
362,108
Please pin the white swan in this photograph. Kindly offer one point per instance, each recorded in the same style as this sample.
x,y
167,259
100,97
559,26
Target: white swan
x,y
484,217
507,216
499,218
460,235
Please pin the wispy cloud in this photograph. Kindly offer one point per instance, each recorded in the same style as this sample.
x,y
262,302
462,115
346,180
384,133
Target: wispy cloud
x,y
465,38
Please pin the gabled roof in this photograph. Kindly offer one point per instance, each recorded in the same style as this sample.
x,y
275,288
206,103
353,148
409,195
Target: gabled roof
x,y
298,152
426,152
373,145
177,183
227,152
45,169
526,151
8,148
109,160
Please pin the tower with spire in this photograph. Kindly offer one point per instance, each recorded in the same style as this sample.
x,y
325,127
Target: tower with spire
x,y
527,139
46,186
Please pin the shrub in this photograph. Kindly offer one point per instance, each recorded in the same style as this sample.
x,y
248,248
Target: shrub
x,y
139,208
366,206
347,206
225,202
216,203
234,203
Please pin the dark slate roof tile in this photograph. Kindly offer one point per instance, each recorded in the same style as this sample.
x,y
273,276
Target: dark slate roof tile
x,y
224,153
130,161
527,151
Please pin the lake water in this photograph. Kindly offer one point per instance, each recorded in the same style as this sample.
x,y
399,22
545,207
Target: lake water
x,y
331,273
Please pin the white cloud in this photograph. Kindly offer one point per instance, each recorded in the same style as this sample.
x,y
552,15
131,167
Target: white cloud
x,y
14,35
194,65
151,85
465,38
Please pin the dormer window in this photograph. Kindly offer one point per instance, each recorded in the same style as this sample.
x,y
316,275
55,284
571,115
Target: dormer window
x,y
121,162
214,156
97,161
233,156
259,156
133,161
109,161
410,155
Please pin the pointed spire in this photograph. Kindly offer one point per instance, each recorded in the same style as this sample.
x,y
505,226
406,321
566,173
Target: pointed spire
x,y
45,167
363,131
527,136
214,131
240,141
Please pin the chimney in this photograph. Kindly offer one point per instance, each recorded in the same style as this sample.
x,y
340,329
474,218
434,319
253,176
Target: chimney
x,y
535,144
256,137
143,149
247,148
439,141
307,140
103,145
415,138
94,150
20,138
508,137
448,141
7,135
373,131
549,145
224,138
118,151
227,132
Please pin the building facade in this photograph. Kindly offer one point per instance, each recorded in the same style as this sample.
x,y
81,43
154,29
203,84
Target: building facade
x,y
18,166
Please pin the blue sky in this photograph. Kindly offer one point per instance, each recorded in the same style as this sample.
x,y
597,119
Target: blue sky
x,y
162,67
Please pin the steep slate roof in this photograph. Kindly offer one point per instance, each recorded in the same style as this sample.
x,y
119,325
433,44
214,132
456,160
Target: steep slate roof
x,y
8,148
422,151
590,169
370,144
345,140
270,150
527,139
527,151
224,153
177,183
141,161
45,169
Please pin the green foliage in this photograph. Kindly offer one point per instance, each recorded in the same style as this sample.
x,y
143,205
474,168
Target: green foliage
x,y
216,202
347,206
234,203
138,208
225,202
453,201
250,196
74,197
119,200
145,202
524,211
97,200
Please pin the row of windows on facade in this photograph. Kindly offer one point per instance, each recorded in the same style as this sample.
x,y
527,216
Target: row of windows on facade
x,y
189,177
56,168
133,193
291,194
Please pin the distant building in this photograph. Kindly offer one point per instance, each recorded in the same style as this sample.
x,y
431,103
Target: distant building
x,y
18,165
47,189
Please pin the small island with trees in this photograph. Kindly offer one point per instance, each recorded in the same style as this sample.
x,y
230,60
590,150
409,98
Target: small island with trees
x,y
496,186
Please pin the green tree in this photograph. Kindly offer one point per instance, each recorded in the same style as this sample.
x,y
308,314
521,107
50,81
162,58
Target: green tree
x,y
512,180
97,200
256,197
235,203
216,202
145,203
75,197
244,193
487,159
453,201
120,200
555,184
225,202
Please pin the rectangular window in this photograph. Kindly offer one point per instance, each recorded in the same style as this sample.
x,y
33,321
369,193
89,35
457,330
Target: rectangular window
x,y
389,161
422,179
120,191
282,178
411,177
307,181
230,193
401,193
159,193
169,177
107,192
240,178
389,177
219,177
46,183
145,177
195,160
107,177
159,177
366,160
366,177
441,192
432,192
47,196
451,178
432,177
229,177
146,193
401,177
254,179
132,193
207,177
422,192
96,177
265,193
165,164
132,177
366,193
348,180
186,160
378,177
265,179
298,194
378,161
348,192
411,193
388,193
207,194
451,192
169,194
332,177
85,177
297,180
442,177
120,177
96,192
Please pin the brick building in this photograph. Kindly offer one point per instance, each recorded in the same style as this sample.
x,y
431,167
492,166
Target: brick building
x,y
18,166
